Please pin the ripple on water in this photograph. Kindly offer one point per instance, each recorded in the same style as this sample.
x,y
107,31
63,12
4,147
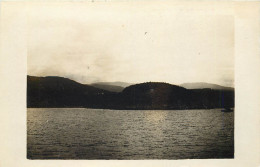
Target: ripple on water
x,y
77,133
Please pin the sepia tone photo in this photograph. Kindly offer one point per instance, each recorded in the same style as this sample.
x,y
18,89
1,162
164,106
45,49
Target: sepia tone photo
x,y
120,82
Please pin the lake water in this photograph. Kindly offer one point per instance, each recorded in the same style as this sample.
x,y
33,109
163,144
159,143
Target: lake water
x,y
78,133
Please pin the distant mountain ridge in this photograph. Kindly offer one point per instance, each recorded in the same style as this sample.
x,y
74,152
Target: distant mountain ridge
x,y
118,83
45,92
203,85
111,88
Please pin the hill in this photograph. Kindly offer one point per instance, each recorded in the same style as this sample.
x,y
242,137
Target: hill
x,y
203,85
156,95
63,92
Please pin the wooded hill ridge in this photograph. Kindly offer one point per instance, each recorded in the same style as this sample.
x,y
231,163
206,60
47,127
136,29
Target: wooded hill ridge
x,y
52,92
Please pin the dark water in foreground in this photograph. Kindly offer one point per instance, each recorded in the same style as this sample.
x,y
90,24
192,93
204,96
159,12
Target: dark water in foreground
x,y
77,133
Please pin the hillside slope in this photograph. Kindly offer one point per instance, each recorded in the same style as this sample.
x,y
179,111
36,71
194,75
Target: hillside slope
x,y
61,92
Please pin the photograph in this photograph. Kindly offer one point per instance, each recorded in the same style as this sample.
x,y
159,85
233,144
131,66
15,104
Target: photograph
x,y
129,81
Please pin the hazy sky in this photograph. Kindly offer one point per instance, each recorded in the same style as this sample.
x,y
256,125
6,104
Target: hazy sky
x,y
92,42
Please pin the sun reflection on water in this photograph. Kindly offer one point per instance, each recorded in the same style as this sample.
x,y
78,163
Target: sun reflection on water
x,y
155,116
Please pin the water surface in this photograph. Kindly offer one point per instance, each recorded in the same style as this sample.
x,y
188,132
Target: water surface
x,y
78,133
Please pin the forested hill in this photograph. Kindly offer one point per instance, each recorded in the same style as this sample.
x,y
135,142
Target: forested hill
x,y
63,92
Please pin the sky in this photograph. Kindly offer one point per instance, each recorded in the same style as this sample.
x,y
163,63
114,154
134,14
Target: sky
x,y
94,42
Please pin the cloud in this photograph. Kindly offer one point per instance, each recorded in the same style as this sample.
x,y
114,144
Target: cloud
x,y
111,44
